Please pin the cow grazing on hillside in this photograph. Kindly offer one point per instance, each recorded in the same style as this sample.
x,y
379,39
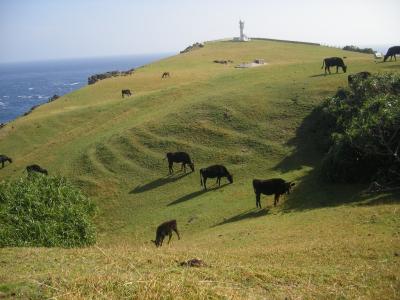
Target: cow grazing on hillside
x,y
361,75
126,93
392,51
165,229
3,159
217,171
36,169
179,157
334,62
165,75
274,186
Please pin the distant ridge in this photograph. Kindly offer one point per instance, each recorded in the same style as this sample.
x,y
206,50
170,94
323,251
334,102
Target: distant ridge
x,y
285,41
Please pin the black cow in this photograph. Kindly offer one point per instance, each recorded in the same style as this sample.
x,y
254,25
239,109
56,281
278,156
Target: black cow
x,y
333,62
179,157
36,168
276,186
3,159
360,75
392,51
126,93
212,172
165,229
165,74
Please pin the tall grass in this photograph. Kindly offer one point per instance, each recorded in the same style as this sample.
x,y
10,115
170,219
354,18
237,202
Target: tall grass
x,y
44,211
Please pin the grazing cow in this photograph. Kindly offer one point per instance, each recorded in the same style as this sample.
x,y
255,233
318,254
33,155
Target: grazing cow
x,y
36,168
334,62
179,157
392,51
361,75
165,74
165,229
212,172
126,93
275,186
3,159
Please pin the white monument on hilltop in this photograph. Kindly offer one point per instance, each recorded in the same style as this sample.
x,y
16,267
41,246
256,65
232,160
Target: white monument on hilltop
x,y
242,37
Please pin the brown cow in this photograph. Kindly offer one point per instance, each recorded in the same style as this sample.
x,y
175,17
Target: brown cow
x,y
165,229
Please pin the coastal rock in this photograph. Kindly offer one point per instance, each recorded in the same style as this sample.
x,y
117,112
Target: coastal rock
x,y
96,77
193,47
31,110
54,97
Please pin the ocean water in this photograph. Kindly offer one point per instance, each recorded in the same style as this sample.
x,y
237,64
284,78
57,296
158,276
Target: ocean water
x,y
23,85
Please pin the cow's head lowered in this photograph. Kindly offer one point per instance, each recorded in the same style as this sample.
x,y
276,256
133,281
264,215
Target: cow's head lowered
x,y
288,187
230,178
191,165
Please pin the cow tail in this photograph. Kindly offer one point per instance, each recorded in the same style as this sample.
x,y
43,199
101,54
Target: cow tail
x,y
323,62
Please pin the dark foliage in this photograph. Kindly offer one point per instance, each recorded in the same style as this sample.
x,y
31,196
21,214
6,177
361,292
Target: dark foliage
x,y
357,49
359,130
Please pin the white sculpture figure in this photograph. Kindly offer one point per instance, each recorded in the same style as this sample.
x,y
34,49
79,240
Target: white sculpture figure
x,y
241,25
243,37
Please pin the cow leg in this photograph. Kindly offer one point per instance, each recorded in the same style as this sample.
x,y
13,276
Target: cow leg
x,y
170,168
204,182
184,167
2,164
337,69
258,203
177,233
276,199
170,236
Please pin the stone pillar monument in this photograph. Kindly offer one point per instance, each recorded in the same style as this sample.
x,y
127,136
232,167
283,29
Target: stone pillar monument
x,y
241,25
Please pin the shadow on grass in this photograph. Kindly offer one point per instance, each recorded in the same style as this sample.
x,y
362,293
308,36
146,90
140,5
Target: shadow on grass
x,y
381,199
254,213
195,194
157,183
318,75
323,74
311,191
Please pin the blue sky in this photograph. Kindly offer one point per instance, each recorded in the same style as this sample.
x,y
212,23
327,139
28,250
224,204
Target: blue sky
x,y
51,29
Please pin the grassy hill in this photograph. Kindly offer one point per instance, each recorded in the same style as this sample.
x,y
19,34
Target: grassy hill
x,y
323,240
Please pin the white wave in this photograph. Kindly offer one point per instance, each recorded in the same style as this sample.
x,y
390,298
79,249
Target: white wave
x,y
25,97
2,104
31,88
74,83
42,97
6,96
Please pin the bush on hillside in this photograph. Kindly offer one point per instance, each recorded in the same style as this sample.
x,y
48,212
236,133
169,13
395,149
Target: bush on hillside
x,y
359,129
357,49
44,211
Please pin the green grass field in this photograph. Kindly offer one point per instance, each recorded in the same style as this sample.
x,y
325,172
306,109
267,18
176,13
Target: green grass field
x,y
322,241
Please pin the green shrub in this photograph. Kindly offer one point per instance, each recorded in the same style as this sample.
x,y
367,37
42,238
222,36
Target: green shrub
x,y
357,49
44,211
360,129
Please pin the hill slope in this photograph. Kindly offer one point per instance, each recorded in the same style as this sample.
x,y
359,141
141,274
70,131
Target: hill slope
x,y
323,240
